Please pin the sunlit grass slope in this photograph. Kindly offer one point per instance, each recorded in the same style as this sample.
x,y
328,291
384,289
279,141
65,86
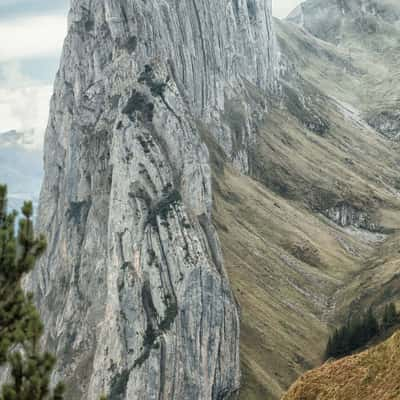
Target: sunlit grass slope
x,y
371,375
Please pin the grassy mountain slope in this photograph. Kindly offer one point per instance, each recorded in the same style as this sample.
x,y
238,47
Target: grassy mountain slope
x,y
371,375
367,34
295,268
350,82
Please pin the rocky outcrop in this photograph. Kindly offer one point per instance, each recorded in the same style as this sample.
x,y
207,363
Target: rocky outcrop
x,y
345,214
386,122
133,289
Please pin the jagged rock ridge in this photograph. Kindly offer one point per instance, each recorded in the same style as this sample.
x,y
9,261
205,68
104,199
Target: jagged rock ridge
x,y
133,289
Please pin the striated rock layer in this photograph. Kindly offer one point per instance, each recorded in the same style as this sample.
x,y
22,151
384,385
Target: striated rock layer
x,y
133,289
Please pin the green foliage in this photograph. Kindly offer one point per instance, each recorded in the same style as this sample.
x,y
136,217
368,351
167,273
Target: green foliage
x,y
20,325
31,377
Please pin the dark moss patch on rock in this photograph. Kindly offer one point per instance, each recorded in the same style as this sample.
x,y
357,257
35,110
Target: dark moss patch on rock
x,y
139,103
78,211
131,44
89,25
171,313
118,385
153,329
163,207
157,87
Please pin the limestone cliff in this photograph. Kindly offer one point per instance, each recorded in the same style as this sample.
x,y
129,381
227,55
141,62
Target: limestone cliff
x,y
133,289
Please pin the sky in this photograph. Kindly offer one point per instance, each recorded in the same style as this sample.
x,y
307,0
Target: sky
x,y
32,33
281,8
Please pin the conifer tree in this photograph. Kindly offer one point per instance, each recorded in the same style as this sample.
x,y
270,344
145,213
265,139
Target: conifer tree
x,y
329,348
20,325
371,325
352,336
390,316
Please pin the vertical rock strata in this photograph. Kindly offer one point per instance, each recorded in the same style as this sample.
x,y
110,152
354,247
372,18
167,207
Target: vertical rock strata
x,y
133,290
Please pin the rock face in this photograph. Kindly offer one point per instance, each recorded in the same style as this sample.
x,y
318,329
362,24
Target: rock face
x,y
344,214
133,289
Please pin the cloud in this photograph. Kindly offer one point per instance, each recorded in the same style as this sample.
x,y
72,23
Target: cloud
x,y
28,50
281,8
13,8
28,37
24,103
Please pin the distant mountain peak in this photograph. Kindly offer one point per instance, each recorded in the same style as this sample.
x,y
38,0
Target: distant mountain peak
x,y
12,138
331,21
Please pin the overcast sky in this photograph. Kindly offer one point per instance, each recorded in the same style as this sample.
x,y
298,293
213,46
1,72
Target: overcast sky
x,y
281,8
32,32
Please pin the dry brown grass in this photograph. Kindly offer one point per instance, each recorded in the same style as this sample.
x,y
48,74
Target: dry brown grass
x,y
371,375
